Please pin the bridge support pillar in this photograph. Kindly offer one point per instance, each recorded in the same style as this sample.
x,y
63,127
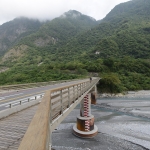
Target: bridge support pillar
x,y
85,127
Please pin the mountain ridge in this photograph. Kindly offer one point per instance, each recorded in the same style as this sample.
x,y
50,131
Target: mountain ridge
x,y
11,32
117,47
64,33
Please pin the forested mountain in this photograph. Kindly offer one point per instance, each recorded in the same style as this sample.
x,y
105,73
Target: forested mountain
x,y
43,44
134,9
11,32
125,31
70,46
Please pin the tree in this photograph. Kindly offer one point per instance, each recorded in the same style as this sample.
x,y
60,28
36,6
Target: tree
x,y
110,83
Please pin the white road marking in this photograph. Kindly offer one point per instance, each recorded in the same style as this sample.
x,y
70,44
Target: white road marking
x,y
10,96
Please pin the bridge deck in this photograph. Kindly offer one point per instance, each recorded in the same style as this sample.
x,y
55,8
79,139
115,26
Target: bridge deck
x,y
57,103
13,128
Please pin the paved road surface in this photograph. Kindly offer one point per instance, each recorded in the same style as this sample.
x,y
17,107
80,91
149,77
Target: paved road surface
x,y
13,128
23,94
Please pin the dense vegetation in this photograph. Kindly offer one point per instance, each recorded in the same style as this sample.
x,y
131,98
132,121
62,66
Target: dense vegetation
x,y
13,31
120,74
73,46
38,74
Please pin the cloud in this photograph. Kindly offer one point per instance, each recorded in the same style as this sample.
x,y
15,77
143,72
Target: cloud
x,y
49,9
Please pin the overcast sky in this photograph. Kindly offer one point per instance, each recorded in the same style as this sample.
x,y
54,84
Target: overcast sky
x,y
49,9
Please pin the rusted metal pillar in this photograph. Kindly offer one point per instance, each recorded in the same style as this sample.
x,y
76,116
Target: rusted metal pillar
x,y
85,127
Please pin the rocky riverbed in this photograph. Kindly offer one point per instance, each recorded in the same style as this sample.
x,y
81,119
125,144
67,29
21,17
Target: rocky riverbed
x,y
123,124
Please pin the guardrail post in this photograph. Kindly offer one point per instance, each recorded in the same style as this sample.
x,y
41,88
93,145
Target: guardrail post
x,y
68,97
50,122
20,102
28,99
77,91
50,110
10,105
73,94
61,101
80,89
35,97
84,87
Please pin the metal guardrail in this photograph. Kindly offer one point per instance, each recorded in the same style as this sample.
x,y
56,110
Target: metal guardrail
x,y
22,101
54,107
9,108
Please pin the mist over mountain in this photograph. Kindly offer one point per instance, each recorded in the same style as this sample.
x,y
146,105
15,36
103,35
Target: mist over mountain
x,y
12,31
134,9
41,35
74,44
123,32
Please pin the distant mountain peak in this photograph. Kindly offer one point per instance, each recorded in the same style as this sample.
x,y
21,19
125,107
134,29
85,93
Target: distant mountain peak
x,y
71,13
132,9
75,14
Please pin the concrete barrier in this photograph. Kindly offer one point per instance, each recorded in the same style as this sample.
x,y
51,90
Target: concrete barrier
x,y
9,111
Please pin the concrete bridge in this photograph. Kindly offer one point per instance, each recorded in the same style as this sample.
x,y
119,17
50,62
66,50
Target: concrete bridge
x,y
24,132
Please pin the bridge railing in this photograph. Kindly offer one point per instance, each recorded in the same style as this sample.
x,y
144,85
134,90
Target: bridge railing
x,y
54,107
18,105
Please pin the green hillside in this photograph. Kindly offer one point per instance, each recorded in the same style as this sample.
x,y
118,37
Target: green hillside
x,y
43,45
74,44
123,32
11,32
134,9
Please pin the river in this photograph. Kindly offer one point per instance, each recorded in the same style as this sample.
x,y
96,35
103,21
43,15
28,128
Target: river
x,y
123,124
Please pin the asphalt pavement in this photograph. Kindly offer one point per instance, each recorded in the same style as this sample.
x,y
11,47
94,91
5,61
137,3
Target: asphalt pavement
x,y
24,94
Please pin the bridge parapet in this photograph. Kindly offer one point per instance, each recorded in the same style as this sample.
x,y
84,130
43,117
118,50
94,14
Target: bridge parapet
x,y
55,106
